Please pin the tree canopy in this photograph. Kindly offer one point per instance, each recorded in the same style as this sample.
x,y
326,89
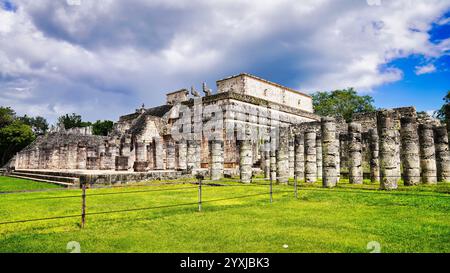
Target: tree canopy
x,y
102,127
342,103
72,121
444,113
14,135
38,124
17,132
7,116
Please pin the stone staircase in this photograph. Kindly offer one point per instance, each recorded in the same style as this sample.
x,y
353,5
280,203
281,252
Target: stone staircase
x,y
46,177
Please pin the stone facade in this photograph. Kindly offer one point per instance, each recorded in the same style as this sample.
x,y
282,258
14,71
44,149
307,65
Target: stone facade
x,y
253,123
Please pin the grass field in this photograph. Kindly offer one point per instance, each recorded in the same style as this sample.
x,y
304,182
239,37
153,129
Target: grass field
x,y
14,184
344,219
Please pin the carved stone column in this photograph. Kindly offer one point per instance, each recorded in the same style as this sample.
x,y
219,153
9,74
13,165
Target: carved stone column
x,y
194,156
442,153
410,151
141,163
374,148
216,164
388,161
182,155
330,152
170,152
355,150
310,157
291,156
266,159
245,160
159,152
427,154
282,154
300,156
319,156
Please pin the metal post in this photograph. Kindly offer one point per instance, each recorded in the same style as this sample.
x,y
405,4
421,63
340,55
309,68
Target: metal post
x,y
83,205
271,191
199,194
295,187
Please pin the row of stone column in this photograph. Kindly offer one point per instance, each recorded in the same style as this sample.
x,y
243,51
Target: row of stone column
x,y
109,156
160,155
424,153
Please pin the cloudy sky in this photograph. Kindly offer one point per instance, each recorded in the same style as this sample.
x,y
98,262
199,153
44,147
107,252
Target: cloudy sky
x,y
103,58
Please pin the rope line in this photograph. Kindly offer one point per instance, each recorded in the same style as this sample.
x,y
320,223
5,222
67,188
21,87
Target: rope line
x,y
135,209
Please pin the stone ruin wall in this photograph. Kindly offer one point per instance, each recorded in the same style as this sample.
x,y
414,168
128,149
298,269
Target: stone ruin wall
x,y
386,145
250,85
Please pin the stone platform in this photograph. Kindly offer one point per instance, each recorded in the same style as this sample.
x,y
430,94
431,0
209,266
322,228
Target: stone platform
x,y
74,178
97,177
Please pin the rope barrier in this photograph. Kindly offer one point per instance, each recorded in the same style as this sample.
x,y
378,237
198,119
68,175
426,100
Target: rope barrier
x,y
130,210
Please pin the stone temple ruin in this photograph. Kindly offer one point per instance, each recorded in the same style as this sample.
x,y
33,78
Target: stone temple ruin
x,y
249,126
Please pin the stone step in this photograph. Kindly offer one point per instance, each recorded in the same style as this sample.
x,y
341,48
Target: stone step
x,y
64,179
65,173
43,180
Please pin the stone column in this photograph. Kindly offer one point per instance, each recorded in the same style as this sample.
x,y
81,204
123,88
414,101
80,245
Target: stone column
x,y
310,157
216,164
141,163
62,157
182,155
81,157
397,150
72,156
159,152
410,151
266,159
282,154
300,156
127,156
374,148
125,150
388,162
53,162
442,153
193,160
273,160
170,155
343,154
355,173
151,156
261,156
34,158
319,156
338,159
93,158
330,153
103,159
114,152
44,156
427,154
245,160
291,156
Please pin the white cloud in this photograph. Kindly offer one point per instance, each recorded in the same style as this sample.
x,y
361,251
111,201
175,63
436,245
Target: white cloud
x,y
103,58
426,69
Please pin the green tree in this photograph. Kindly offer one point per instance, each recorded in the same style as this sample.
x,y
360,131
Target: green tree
x,y
13,138
342,103
102,127
38,124
7,116
444,113
72,121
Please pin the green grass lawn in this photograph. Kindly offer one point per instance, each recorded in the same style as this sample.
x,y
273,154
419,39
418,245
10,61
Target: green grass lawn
x,y
8,184
344,219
